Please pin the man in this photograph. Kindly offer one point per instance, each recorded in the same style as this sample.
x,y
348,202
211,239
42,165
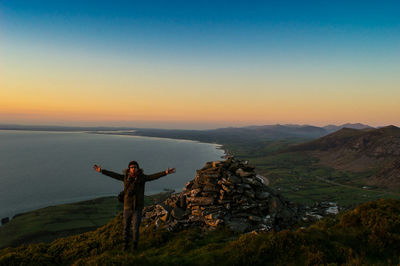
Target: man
x,y
134,182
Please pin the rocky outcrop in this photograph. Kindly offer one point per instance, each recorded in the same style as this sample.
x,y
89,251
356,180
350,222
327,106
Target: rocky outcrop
x,y
226,193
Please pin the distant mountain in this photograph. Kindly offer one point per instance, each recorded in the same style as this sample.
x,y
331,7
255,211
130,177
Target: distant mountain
x,y
333,128
360,150
243,135
276,131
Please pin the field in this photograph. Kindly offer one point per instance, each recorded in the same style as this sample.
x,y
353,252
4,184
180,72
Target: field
x,y
301,179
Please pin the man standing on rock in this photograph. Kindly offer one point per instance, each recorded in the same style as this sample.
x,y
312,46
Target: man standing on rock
x,y
134,182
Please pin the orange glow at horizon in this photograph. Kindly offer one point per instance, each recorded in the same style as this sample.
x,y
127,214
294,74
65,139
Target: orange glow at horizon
x,y
80,91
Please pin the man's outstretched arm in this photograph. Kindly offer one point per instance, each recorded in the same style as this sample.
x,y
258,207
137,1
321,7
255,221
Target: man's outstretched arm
x,y
114,175
160,174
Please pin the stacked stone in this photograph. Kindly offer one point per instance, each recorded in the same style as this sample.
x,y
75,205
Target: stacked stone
x,y
225,193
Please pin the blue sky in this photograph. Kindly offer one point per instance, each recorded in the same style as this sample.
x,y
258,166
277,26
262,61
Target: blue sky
x,y
206,24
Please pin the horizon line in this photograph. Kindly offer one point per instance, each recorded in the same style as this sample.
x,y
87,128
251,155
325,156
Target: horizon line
x,y
55,126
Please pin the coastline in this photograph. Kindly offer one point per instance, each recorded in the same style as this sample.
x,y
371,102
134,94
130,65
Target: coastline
x,y
132,134
60,202
104,131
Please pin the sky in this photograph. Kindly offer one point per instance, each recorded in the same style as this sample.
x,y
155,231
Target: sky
x,y
199,64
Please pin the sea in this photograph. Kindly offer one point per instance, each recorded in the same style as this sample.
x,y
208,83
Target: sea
x,y
40,168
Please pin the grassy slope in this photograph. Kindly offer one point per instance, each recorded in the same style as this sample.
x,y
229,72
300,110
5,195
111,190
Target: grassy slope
x,y
369,234
47,224
50,223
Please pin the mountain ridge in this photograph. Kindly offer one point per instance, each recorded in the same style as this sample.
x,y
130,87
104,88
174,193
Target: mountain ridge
x,y
359,150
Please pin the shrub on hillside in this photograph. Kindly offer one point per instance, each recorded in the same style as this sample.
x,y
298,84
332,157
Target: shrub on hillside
x,y
368,234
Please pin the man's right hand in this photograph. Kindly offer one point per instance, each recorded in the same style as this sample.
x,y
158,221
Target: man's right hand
x,y
97,168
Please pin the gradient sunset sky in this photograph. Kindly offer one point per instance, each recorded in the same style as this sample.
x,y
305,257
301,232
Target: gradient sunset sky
x,y
199,64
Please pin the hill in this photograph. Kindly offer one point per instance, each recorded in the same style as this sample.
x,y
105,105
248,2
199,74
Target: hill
x,y
372,151
368,234
333,128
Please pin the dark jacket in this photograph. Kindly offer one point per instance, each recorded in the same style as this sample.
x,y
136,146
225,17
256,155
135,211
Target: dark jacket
x,y
133,187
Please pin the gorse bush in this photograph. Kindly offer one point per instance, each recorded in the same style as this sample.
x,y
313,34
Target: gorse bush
x,y
368,234
378,223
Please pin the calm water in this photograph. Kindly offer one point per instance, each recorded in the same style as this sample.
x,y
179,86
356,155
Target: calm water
x,y
39,169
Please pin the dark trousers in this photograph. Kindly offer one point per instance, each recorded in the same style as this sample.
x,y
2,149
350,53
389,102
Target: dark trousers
x,y
132,218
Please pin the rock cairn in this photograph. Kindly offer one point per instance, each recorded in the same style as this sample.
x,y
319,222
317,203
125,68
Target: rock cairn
x,y
225,193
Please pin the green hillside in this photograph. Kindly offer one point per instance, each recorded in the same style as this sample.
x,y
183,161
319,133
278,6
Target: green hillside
x,y
368,234
50,223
